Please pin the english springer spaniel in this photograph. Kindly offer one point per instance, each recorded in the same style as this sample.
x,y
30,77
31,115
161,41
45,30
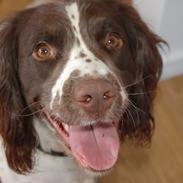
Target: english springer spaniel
x,y
76,76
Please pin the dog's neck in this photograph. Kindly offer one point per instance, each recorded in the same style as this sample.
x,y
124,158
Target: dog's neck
x,y
48,141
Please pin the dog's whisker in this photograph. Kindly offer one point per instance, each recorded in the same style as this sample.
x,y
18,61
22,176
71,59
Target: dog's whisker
x,y
137,82
30,114
143,93
131,116
135,112
136,108
30,105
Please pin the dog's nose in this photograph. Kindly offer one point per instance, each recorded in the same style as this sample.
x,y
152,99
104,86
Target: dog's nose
x,y
94,95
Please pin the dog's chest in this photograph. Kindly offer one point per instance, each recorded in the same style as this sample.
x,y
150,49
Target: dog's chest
x,y
47,170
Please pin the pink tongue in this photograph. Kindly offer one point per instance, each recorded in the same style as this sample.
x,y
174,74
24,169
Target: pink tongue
x,y
95,146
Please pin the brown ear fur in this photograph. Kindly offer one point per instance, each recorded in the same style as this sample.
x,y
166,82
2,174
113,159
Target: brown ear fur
x,y
138,122
15,128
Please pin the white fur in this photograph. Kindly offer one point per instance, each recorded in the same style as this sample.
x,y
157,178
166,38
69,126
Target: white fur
x,y
49,169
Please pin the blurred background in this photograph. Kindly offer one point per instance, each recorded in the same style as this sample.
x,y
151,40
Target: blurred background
x,y
163,161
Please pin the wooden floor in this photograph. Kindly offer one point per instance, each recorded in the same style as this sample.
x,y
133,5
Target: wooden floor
x,y
163,162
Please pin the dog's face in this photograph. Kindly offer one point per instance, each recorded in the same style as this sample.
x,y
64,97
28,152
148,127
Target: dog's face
x,y
74,73
85,69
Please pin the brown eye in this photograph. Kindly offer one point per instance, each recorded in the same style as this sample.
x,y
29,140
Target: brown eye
x,y
113,41
44,51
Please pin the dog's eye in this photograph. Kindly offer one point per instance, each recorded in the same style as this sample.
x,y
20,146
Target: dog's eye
x,y
44,51
113,41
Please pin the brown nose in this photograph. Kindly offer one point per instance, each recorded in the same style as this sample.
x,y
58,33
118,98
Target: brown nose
x,y
94,95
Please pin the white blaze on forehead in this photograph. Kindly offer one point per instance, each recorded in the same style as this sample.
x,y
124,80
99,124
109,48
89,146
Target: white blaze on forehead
x,y
75,61
97,65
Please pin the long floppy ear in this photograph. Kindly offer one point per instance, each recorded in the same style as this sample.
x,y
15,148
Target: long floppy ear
x,y
138,122
15,128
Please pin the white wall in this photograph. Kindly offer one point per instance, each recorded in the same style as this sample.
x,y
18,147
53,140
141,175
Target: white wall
x,y
166,18
151,11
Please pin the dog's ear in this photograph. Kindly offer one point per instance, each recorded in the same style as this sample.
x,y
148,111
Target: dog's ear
x,y
16,127
138,121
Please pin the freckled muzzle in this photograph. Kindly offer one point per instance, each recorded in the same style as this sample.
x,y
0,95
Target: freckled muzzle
x,y
90,99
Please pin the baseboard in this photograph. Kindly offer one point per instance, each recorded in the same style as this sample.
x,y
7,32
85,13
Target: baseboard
x,y
173,67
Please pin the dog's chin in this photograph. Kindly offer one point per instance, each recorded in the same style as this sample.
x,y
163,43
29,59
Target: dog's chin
x,y
95,147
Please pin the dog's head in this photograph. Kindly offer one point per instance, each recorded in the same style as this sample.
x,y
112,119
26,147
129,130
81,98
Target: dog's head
x,y
87,68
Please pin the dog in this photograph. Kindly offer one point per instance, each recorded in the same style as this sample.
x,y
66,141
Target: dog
x,y
77,76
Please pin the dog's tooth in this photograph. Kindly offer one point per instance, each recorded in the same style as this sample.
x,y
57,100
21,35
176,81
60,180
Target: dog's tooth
x,y
66,127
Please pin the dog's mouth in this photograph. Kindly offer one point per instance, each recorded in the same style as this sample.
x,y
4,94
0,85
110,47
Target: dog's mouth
x,y
95,146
